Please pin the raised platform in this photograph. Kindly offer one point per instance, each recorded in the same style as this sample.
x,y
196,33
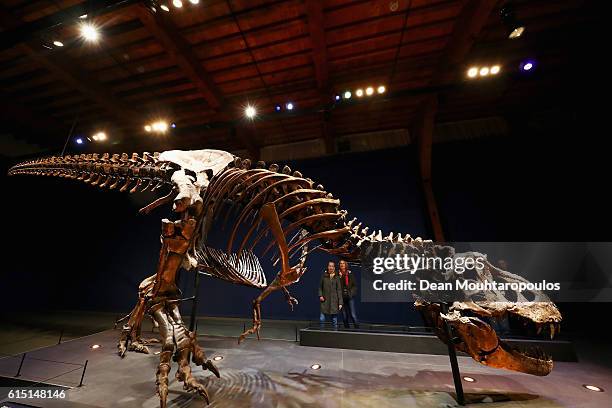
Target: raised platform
x,y
416,343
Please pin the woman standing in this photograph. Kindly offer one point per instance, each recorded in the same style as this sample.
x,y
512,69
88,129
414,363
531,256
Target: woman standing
x,y
330,295
349,291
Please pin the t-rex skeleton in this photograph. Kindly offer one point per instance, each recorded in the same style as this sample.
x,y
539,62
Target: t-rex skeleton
x,y
277,208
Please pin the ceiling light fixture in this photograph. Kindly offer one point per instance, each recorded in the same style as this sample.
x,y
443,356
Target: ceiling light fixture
x,y
514,27
472,72
90,32
381,89
369,91
58,43
177,3
250,112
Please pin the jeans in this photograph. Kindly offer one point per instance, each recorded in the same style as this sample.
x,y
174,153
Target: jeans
x,y
332,317
349,313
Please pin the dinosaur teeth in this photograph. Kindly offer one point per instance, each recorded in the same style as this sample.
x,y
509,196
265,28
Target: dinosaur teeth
x,y
552,331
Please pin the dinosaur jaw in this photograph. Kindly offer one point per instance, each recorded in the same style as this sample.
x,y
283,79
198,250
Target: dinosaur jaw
x,y
482,343
510,358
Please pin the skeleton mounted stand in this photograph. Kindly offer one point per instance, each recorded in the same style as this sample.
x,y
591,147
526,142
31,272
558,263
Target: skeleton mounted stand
x,y
277,210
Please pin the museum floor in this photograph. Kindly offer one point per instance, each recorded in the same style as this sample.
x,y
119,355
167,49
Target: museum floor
x,y
278,373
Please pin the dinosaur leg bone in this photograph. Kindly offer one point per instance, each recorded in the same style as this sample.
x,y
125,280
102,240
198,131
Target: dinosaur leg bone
x,y
285,277
130,332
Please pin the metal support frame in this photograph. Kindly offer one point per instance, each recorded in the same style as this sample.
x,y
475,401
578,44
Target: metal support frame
x,y
452,355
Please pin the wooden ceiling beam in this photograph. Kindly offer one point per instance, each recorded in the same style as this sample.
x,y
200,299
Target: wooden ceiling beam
x,y
179,50
314,11
470,22
84,84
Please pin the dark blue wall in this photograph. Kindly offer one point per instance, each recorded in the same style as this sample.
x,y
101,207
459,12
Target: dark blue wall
x,y
71,246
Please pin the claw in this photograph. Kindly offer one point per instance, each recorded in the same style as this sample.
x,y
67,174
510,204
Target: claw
x,y
208,364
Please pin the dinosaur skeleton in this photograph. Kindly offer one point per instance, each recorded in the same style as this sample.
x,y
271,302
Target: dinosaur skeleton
x,y
282,212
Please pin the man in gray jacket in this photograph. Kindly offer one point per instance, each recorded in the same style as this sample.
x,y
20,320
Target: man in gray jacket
x,y
330,295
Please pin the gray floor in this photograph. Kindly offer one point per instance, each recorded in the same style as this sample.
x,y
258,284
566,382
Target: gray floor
x,y
277,373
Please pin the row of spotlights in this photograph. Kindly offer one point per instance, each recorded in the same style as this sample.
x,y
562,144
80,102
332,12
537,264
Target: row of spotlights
x,y
288,106
473,72
160,126
177,4
369,91
99,137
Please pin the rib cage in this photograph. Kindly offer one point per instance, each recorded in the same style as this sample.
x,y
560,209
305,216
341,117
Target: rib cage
x,y
244,270
300,204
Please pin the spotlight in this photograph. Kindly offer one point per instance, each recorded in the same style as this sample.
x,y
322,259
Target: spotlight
x,y
250,112
95,346
593,388
484,71
359,93
164,7
472,72
514,27
381,89
337,97
527,65
289,106
469,379
217,358
369,91
89,32
316,366
79,140
173,125
177,3
147,128
159,126
277,108
347,95
495,69
516,33
194,1
58,43
99,137
83,17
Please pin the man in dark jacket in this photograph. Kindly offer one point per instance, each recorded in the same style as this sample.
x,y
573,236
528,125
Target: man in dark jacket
x,y
349,291
330,295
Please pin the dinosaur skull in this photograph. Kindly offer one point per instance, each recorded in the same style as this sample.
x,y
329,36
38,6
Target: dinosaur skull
x,y
471,322
478,338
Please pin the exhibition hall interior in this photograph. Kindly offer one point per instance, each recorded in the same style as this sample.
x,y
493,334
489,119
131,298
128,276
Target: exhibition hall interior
x,y
304,203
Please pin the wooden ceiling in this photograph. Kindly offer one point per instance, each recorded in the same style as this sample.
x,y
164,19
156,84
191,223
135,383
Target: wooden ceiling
x,y
200,65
